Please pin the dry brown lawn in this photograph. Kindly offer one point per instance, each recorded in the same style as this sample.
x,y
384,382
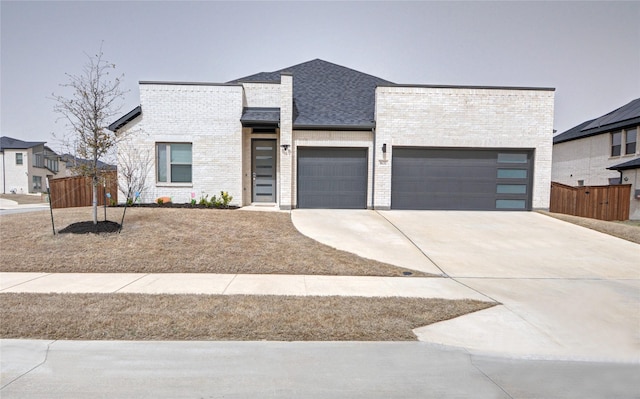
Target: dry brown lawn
x,y
628,230
165,240
200,317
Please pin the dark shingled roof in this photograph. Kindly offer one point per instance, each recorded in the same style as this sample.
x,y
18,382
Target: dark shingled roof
x,y
15,144
633,164
571,134
625,116
327,95
72,161
260,116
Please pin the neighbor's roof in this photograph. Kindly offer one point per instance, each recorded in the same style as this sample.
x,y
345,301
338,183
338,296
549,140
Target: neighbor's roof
x,y
625,116
15,144
633,164
72,161
326,95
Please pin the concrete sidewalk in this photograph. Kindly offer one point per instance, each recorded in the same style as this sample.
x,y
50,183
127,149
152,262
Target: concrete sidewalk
x,y
236,284
9,206
156,369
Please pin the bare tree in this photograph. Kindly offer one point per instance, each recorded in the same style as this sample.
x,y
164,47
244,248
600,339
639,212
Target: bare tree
x,y
134,166
94,103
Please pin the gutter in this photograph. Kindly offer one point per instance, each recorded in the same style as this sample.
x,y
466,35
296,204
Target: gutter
x,y
366,127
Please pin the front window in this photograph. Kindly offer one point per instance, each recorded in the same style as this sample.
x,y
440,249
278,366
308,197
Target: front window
x,y
631,138
18,158
37,183
616,144
174,162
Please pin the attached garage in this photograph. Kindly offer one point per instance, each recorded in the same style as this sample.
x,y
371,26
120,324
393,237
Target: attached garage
x,y
333,178
461,179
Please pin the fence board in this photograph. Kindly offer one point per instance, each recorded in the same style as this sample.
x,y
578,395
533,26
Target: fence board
x,y
596,202
75,191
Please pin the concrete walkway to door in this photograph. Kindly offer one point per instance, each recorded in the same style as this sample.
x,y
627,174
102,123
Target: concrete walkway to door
x,y
567,292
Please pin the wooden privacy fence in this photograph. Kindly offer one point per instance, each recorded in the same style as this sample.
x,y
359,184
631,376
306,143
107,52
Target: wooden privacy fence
x,y
69,192
596,202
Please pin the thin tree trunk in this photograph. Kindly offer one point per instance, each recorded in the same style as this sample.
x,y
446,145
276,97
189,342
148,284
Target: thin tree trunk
x,y
95,200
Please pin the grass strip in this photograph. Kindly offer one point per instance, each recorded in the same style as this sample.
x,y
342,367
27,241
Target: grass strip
x,y
214,317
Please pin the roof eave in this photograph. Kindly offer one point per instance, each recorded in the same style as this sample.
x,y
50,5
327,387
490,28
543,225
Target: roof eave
x,y
614,126
123,121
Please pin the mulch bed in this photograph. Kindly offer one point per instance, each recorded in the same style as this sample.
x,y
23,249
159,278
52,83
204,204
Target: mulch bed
x,y
105,226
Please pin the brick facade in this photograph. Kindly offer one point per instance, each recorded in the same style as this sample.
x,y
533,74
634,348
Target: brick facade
x,y
466,118
208,117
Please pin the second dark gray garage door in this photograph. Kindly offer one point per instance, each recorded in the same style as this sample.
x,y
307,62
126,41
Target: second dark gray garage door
x,y
461,179
332,178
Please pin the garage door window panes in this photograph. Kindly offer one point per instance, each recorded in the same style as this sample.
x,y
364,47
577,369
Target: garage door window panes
x,y
511,204
513,180
512,173
512,189
512,158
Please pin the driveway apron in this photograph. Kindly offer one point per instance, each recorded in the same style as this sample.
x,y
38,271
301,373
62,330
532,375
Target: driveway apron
x,y
567,292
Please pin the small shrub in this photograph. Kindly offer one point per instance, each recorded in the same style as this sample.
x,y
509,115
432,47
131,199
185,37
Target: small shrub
x,y
225,199
160,201
204,199
192,202
129,201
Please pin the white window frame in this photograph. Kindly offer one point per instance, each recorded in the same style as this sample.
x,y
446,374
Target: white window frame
x,y
168,165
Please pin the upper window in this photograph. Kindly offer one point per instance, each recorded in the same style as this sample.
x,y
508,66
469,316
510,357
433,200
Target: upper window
x,y
616,143
174,162
52,165
18,158
631,138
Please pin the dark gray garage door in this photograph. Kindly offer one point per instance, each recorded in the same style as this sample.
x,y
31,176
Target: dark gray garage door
x,y
461,179
332,178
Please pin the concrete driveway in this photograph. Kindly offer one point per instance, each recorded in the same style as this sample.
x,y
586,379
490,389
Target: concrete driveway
x,y
567,292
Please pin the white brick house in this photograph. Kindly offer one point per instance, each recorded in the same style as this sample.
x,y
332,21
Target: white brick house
x,y
602,151
319,135
25,166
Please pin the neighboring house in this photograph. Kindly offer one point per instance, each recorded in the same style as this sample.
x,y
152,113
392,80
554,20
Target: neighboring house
x,y
74,164
319,135
25,165
602,151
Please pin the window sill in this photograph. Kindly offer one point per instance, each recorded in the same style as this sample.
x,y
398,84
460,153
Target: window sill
x,y
160,184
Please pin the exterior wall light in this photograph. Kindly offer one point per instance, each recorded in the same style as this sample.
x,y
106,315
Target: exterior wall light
x,y
384,148
285,146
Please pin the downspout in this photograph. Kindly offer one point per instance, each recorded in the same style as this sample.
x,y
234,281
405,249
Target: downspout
x,y
373,171
619,171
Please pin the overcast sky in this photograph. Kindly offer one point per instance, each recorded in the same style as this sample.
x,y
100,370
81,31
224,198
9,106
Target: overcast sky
x,y
588,51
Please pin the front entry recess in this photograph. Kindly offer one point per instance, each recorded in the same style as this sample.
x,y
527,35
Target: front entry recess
x,y
264,170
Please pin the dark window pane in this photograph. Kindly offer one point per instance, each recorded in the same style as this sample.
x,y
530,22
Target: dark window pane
x,y
631,140
181,173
